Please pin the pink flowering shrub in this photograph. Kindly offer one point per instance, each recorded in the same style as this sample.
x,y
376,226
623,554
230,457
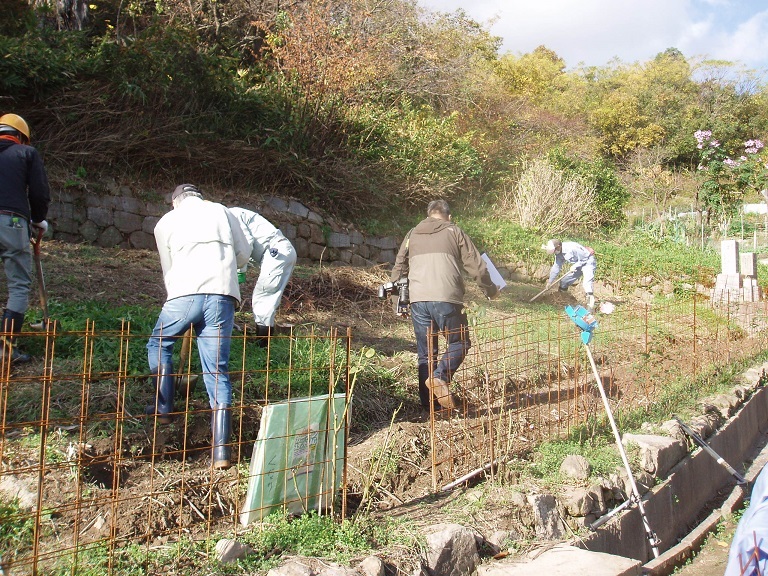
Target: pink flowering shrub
x,y
726,181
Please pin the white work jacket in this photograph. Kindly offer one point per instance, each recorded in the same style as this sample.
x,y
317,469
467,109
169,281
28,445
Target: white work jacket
x,y
201,247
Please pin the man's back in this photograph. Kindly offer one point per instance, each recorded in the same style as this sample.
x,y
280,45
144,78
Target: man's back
x,y
257,229
23,181
435,258
201,245
574,252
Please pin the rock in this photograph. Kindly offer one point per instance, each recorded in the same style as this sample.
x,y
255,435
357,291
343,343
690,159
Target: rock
x,y
371,566
598,494
99,523
474,495
228,550
672,429
502,539
565,559
292,568
643,295
576,467
546,518
705,424
643,480
14,488
752,377
451,550
336,570
723,404
576,502
658,454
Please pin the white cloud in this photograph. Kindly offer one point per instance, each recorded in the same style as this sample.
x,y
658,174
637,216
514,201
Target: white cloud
x,y
748,43
595,31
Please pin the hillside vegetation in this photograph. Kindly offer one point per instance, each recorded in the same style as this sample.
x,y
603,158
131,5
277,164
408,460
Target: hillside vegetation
x,y
370,109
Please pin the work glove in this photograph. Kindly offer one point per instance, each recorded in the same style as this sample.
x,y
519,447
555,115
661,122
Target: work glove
x,y
40,226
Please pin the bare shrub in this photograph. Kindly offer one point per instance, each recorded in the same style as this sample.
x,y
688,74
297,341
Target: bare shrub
x,y
548,200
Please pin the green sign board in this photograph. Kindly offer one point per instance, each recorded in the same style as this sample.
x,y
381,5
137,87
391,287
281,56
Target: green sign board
x,y
298,457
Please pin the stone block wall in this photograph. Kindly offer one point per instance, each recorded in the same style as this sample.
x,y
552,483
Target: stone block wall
x,y
121,216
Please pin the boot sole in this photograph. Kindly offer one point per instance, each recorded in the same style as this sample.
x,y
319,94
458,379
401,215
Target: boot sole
x,y
441,391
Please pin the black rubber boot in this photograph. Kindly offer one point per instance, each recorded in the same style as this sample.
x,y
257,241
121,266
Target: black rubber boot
x,y
221,426
12,323
262,335
164,389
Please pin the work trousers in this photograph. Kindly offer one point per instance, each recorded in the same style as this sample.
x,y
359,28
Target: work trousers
x,y
587,271
437,318
212,316
17,260
275,270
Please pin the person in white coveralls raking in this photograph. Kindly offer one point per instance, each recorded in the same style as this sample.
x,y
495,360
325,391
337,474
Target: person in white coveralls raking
x,y
276,258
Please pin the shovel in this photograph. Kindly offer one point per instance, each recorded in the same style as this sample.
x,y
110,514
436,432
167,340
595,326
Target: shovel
x,y
185,383
44,324
548,286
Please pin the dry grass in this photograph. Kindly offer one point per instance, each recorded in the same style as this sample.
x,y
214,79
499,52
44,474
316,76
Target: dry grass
x,y
548,200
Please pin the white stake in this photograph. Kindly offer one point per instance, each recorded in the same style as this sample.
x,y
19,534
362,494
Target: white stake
x,y
649,534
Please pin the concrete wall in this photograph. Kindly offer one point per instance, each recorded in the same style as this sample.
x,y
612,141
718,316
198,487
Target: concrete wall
x,y
124,216
674,506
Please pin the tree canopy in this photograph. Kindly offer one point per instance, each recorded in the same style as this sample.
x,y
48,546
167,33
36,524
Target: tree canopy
x,y
354,104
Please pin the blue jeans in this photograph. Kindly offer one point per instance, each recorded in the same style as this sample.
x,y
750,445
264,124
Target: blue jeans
x,y
212,316
445,318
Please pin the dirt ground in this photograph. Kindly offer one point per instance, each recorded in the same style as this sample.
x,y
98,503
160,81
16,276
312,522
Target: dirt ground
x,y
712,559
337,297
328,297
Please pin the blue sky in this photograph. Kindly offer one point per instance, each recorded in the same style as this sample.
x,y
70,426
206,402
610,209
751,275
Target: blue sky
x,y
594,32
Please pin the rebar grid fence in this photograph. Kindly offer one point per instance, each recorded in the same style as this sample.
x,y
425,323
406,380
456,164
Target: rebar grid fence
x,y
527,379
98,486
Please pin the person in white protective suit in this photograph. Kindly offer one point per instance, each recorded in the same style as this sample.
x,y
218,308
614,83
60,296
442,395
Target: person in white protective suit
x,y
748,555
583,263
276,257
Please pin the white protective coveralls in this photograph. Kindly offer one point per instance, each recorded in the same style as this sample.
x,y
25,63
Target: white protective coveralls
x,y
583,262
275,256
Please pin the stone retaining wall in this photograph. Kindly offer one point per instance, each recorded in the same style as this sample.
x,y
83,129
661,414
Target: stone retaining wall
x,y
122,216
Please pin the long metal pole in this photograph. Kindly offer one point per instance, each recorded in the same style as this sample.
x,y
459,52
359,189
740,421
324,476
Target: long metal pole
x,y
608,515
649,534
708,449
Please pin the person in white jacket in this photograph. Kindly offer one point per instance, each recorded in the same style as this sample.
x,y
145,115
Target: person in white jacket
x,y
276,258
583,263
201,246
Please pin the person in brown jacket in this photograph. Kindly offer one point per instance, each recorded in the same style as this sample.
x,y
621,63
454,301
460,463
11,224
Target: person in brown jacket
x,y
434,256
